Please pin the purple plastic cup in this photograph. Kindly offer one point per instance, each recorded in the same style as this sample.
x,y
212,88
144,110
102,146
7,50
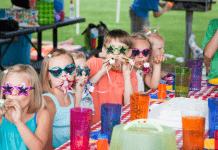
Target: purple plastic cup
x,y
195,81
110,116
213,115
80,123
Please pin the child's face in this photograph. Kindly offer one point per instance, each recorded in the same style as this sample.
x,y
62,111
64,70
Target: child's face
x,y
158,48
141,45
116,53
17,79
81,64
57,62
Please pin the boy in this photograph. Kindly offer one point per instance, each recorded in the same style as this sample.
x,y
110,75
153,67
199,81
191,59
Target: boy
x,y
113,77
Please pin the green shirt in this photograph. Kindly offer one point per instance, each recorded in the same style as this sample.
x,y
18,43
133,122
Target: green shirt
x,y
212,27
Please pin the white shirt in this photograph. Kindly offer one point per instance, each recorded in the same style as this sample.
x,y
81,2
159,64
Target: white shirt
x,y
140,80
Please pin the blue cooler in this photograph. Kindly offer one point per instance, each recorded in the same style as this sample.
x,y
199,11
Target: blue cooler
x,y
18,52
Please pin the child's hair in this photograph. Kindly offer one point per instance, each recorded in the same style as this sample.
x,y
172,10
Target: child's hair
x,y
46,86
152,36
118,34
77,55
140,36
37,101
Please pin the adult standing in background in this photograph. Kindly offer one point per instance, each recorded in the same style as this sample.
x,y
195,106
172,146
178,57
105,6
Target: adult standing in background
x,y
139,13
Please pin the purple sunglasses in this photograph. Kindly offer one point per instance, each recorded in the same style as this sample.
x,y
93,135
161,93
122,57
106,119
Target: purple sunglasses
x,y
7,89
145,52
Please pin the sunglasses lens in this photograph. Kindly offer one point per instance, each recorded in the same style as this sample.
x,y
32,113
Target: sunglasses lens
x,y
146,52
70,69
135,53
56,72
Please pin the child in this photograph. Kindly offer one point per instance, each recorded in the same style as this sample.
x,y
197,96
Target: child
x,y
157,44
25,123
57,76
82,73
210,47
141,50
113,77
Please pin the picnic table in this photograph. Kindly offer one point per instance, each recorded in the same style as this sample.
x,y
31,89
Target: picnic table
x,y
205,93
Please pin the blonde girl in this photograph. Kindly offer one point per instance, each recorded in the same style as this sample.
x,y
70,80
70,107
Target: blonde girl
x,y
24,121
59,66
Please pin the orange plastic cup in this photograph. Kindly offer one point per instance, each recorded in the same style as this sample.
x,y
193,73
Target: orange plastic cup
x,y
193,132
139,106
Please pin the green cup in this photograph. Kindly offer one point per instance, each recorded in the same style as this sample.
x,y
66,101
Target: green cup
x,y
182,81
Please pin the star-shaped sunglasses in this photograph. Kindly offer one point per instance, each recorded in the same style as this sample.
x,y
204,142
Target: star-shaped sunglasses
x,y
110,50
79,71
145,52
57,71
23,89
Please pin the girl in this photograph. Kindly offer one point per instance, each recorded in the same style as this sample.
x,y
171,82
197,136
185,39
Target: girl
x,y
25,123
82,73
157,44
141,50
57,77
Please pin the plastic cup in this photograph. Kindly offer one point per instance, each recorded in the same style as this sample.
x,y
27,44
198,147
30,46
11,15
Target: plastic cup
x,y
182,81
196,73
139,106
110,116
213,115
80,123
193,127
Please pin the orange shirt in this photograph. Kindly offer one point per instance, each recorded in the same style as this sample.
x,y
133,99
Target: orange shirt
x,y
116,89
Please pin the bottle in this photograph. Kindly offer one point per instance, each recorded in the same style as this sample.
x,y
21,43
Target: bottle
x,y
174,81
102,143
72,10
216,137
162,90
94,38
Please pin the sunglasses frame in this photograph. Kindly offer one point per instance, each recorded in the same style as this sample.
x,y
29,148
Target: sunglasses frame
x,y
116,48
141,52
62,70
87,71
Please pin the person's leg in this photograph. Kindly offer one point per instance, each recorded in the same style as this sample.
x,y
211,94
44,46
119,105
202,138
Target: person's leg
x,y
137,23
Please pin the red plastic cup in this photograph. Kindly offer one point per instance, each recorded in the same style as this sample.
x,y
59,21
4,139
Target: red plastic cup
x,y
80,123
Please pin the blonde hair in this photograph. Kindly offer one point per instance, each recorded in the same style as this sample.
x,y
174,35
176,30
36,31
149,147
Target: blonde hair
x,y
77,55
37,101
118,34
46,87
152,36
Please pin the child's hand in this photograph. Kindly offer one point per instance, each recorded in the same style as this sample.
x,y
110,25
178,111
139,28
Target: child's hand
x,y
3,110
80,85
127,68
107,64
168,7
158,59
15,111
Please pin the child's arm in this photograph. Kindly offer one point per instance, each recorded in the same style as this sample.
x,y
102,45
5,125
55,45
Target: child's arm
x,y
152,81
159,13
128,89
96,77
33,141
80,86
212,46
52,111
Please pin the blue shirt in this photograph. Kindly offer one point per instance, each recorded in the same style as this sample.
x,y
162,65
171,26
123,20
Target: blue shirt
x,y
61,122
142,7
10,138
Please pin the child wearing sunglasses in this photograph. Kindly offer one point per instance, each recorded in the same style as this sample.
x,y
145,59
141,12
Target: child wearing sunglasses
x,y
82,73
141,50
24,121
58,66
113,77
158,43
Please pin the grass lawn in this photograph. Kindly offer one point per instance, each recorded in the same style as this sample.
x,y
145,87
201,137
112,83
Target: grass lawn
x,y
172,24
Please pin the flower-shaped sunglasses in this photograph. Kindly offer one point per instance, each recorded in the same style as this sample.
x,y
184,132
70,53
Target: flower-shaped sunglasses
x,y
57,71
110,50
145,52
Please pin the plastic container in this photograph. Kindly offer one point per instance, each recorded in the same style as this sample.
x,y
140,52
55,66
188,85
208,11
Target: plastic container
x,y
102,143
17,53
162,90
72,10
213,115
173,81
